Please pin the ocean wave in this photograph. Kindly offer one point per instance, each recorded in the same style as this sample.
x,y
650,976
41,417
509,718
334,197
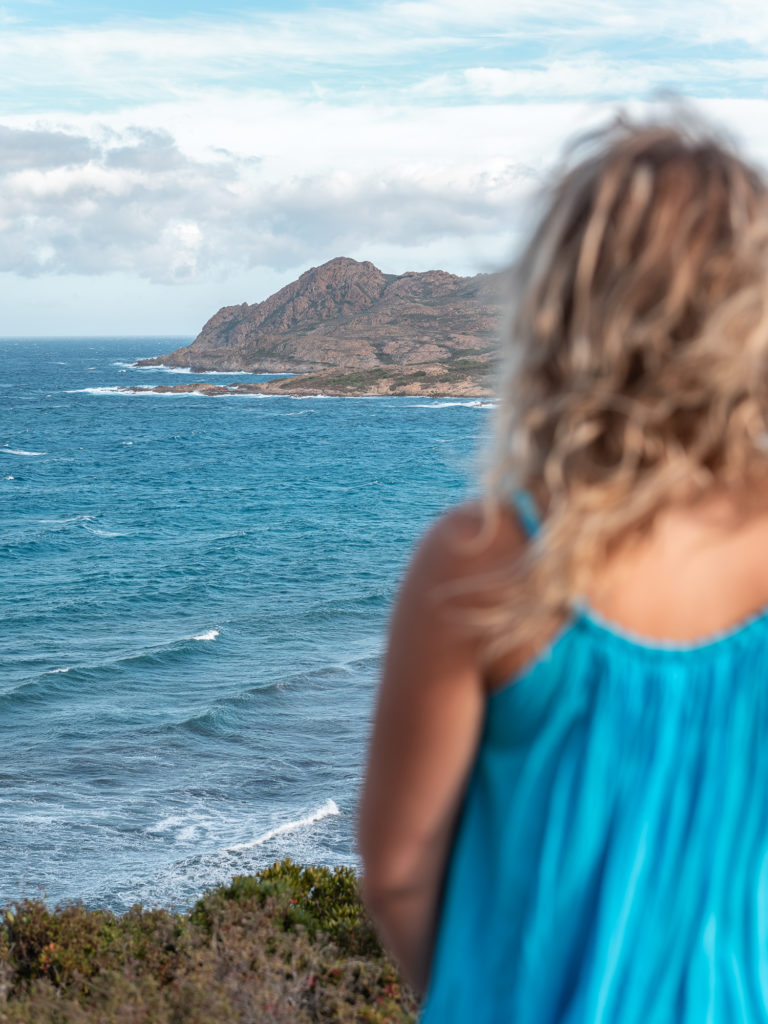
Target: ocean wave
x,y
20,451
325,810
165,369
140,392
39,529
210,635
183,826
168,823
307,838
208,373
98,532
225,716
318,676
67,520
42,687
148,390
474,403
222,722
114,390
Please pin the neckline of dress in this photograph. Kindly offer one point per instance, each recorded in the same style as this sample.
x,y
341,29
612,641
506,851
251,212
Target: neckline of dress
x,y
585,615
586,619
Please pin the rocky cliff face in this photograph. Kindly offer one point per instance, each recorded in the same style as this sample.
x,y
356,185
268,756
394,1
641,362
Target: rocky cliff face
x,y
349,314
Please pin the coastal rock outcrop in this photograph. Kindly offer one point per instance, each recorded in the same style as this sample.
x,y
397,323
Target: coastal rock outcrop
x,y
348,314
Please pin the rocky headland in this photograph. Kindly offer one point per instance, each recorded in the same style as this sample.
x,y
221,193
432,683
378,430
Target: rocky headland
x,y
346,328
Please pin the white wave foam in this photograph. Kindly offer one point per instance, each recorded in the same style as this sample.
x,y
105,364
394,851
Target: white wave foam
x,y
104,533
294,398
326,810
10,478
475,403
166,369
140,392
172,821
126,656
20,451
66,520
95,391
207,373
58,671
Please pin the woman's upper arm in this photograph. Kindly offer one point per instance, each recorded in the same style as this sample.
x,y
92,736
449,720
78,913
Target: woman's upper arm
x,y
428,721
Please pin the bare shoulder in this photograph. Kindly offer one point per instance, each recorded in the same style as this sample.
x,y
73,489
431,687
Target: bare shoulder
x,y
457,570
468,541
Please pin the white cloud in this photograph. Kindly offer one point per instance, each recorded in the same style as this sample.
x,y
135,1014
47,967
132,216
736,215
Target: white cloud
x,y
685,22
585,76
593,75
378,47
141,205
21,149
96,200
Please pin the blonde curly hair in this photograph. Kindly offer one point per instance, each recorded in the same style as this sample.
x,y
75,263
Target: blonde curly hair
x,y
637,354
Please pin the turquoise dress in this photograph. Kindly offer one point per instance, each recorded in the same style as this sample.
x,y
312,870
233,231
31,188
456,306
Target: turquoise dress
x,y
611,858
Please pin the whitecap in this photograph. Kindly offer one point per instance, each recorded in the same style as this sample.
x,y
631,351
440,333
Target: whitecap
x,y
295,398
66,520
207,373
104,533
474,403
95,391
167,369
20,451
10,478
131,393
173,821
210,635
326,810
150,393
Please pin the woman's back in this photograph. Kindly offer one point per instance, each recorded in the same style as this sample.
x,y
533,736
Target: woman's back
x,y
611,859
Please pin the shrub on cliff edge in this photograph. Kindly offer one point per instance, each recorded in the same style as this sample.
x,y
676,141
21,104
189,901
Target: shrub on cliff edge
x,y
291,944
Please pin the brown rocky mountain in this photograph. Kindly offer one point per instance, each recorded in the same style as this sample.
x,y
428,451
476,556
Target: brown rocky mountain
x,y
348,315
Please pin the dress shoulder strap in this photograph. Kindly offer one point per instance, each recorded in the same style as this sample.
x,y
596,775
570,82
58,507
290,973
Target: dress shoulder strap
x,y
527,512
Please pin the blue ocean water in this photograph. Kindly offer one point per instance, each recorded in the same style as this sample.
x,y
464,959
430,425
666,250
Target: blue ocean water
x,y
194,594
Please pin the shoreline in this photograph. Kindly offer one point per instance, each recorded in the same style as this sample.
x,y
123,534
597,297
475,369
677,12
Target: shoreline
x,y
455,379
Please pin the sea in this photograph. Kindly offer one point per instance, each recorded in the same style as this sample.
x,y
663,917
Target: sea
x,y
194,595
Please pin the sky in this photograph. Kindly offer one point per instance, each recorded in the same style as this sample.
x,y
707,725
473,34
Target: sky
x,y
159,160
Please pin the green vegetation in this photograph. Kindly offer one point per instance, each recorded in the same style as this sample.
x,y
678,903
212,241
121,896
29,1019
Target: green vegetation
x,y
287,946
461,369
394,378
353,379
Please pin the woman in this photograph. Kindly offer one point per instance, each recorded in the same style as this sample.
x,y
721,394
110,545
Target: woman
x,y
565,816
